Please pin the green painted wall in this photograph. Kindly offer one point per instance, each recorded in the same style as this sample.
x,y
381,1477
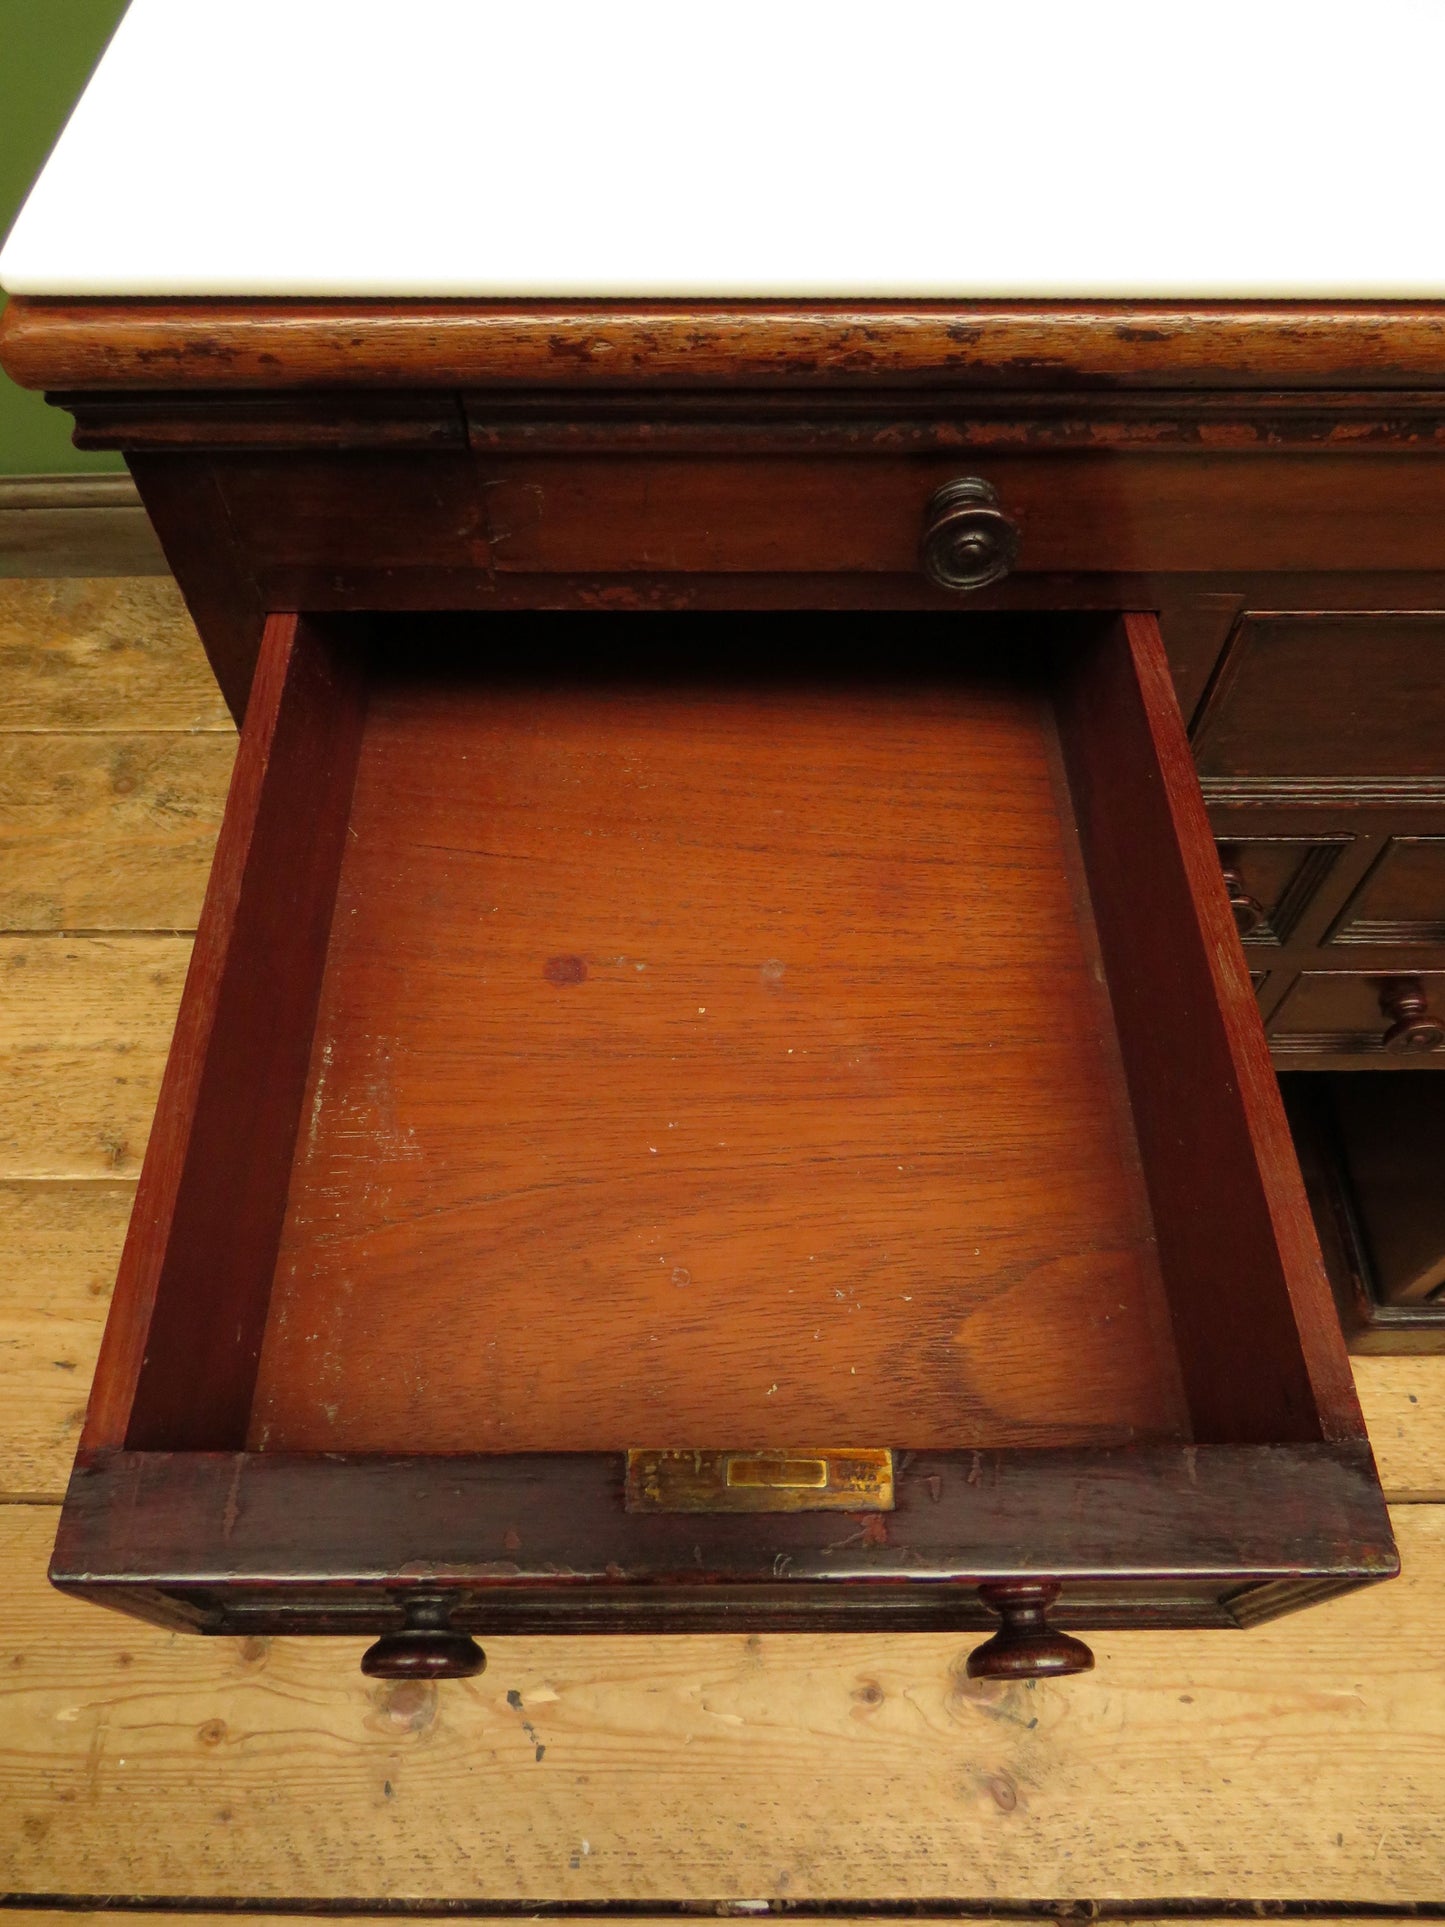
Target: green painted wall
x,y
47,51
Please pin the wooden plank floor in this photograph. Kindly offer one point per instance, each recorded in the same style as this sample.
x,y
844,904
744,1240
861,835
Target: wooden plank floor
x,y
1300,1762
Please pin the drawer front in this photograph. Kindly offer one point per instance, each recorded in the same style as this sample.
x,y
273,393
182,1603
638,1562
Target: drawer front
x,y
1330,918
1363,1014
1273,880
300,518
1401,898
1319,751
1327,701
620,1009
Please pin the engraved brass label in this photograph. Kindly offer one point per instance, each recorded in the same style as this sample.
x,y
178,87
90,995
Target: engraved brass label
x,y
805,1480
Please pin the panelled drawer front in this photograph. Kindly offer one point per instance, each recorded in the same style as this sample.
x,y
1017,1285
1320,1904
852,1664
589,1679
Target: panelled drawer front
x,y
1273,881
1319,748
1348,1012
1344,706
1401,899
864,513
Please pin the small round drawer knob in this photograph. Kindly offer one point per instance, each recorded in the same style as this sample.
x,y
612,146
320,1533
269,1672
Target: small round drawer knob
x,y
1026,1646
968,541
427,1648
1248,911
1411,1026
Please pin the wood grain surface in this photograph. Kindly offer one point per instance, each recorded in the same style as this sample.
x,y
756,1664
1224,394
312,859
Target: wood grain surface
x,y
64,1246
117,653
1193,1048
115,753
106,831
178,1364
295,344
1404,1405
85,1025
54,526
309,517
851,1151
139,1917
61,1246
22,1916
1299,1760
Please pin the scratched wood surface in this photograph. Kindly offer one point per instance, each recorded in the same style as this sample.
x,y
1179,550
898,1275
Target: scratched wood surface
x,y
1299,1761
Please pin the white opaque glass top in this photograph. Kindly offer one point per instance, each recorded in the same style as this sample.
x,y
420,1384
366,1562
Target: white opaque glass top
x,y
736,148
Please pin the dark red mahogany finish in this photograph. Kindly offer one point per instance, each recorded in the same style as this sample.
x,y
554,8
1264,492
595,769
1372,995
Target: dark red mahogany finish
x,y
1026,1646
427,1648
975,1086
229,1482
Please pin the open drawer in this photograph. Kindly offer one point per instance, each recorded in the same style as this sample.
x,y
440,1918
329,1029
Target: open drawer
x,y
666,1133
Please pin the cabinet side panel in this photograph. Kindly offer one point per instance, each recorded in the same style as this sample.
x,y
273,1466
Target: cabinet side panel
x,y
1262,1352
184,501
179,1355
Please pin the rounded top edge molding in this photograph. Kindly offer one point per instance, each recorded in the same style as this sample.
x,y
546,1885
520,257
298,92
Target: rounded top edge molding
x,y
231,343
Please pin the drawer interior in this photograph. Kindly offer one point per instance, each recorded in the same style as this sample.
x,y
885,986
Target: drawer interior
x,y
713,1058
656,1033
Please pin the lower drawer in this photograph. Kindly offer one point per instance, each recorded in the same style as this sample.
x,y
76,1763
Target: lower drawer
x,y
667,1129
1391,1017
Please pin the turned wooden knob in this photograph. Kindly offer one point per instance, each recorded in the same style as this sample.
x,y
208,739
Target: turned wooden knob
x,y
427,1648
1026,1646
1248,911
1412,1028
967,539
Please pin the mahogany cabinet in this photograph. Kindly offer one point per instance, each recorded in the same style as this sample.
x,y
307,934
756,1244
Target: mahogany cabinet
x,y
1318,749
720,1085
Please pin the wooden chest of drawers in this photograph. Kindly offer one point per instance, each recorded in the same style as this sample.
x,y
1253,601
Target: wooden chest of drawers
x,y
717,953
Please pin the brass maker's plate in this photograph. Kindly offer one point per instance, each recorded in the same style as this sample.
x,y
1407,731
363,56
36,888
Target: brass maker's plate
x,y
803,1480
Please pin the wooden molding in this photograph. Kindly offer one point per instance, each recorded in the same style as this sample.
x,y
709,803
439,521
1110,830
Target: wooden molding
x,y
134,344
54,525
887,420
1323,792
1318,855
